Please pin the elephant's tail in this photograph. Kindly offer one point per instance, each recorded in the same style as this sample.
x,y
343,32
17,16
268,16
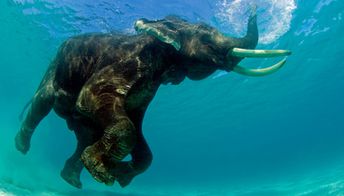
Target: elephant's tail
x,y
21,116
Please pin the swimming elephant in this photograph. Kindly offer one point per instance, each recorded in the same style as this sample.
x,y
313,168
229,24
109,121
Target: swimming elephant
x,y
101,84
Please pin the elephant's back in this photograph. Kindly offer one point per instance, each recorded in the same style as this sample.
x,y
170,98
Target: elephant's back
x,y
80,57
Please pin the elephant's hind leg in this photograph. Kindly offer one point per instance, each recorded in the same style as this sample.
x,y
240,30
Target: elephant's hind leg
x,y
73,166
41,105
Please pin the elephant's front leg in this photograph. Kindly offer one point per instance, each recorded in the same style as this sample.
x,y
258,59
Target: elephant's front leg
x,y
141,154
141,160
103,100
117,142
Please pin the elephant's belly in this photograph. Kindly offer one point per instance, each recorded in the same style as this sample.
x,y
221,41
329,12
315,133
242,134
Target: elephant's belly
x,y
64,105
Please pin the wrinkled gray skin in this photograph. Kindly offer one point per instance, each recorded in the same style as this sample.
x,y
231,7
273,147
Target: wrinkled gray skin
x,y
101,84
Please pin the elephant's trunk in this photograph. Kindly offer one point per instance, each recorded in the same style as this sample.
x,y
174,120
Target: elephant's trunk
x,y
251,38
244,47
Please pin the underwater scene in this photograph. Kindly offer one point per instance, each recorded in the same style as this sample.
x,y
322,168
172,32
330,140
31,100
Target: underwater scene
x,y
172,98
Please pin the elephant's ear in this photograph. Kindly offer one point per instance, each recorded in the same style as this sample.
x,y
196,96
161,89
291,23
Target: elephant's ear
x,y
164,30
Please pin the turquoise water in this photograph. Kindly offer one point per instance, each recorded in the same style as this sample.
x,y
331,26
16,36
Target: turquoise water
x,y
226,135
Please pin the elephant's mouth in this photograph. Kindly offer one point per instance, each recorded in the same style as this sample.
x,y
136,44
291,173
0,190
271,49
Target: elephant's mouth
x,y
242,53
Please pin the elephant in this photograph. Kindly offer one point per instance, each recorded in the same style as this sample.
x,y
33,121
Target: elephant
x,y
102,83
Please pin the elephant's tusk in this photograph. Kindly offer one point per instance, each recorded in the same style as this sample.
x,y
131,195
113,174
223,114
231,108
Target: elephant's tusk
x,y
259,72
239,52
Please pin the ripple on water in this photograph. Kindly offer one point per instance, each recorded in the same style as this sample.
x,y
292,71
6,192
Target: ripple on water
x,y
274,17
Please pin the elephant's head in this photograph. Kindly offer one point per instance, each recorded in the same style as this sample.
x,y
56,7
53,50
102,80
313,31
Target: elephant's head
x,y
203,49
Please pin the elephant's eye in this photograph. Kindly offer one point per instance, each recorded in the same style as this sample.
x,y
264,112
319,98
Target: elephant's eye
x,y
207,41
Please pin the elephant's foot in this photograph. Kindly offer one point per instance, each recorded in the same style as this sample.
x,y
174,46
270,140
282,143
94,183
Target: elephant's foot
x,y
125,179
124,172
22,140
93,159
72,177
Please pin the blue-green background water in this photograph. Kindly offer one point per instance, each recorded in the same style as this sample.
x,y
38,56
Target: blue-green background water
x,y
226,135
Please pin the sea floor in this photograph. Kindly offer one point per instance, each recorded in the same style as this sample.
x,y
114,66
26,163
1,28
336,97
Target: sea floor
x,y
320,183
